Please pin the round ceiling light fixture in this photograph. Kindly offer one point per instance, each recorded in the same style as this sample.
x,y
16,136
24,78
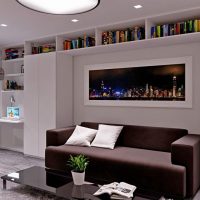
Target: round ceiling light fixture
x,y
60,7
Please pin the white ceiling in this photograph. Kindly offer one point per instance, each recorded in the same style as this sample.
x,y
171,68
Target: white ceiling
x,y
24,24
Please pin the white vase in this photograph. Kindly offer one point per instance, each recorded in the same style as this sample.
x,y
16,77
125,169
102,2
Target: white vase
x,y
78,177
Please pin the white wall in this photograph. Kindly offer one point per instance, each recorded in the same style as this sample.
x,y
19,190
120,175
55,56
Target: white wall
x,y
165,117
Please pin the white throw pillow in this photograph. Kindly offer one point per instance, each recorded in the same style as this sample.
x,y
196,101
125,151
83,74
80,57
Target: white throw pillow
x,y
81,136
106,136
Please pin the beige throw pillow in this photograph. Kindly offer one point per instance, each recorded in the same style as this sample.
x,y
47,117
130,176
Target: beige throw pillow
x,y
81,136
106,136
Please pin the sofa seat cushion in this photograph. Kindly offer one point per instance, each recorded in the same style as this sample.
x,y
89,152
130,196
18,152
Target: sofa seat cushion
x,y
135,166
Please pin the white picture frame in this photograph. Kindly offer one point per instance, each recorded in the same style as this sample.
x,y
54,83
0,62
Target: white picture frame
x,y
187,103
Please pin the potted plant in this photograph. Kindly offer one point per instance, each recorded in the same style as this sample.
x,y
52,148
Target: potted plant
x,y
78,165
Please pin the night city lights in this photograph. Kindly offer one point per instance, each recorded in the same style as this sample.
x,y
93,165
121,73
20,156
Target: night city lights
x,y
158,83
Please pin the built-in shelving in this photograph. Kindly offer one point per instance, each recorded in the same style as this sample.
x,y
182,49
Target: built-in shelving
x,y
14,75
147,42
11,121
96,32
13,60
11,91
13,68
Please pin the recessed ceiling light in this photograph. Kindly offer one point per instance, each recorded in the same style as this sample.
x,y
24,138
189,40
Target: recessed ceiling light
x,y
137,6
60,7
4,25
75,20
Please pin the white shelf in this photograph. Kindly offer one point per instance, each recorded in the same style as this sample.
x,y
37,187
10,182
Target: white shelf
x,y
146,22
10,91
14,75
13,60
12,121
132,45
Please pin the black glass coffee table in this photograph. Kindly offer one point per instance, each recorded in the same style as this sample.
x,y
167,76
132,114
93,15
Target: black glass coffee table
x,y
60,186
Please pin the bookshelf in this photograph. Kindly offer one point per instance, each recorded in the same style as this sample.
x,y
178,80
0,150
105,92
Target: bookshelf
x,y
13,53
40,45
17,121
13,83
146,42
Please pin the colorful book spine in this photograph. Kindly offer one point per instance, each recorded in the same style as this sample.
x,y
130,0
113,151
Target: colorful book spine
x,y
199,25
188,26
178,28
196,25
153,32
80,42
110,37
158,31
165,30
119,36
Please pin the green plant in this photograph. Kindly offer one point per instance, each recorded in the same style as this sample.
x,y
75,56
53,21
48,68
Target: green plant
x,y
78,163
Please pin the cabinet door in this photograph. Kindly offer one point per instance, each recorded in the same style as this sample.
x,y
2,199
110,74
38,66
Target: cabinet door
x,y
47,97
31,105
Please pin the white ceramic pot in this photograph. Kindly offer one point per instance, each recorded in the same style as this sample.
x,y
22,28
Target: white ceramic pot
x,y
78,178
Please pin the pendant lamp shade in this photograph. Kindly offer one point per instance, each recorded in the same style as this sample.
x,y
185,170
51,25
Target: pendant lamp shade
x,y
60,7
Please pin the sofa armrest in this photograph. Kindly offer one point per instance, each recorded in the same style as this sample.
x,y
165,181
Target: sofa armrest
x,y
57,137
186,152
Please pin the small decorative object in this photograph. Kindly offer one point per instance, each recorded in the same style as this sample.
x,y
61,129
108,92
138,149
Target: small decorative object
x,y
12,100
22,69
12,113
1,73
78,165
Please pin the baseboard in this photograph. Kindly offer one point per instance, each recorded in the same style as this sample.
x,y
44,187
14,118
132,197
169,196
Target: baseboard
x,y
12,149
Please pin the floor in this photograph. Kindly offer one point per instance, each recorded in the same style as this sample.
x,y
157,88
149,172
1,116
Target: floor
x,y
12,161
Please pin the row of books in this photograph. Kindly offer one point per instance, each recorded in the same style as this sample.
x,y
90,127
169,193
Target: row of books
x,y
189,26
43,49
13,53
119,36
86,41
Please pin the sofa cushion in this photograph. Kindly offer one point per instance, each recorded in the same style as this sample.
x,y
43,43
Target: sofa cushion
x,y
135,166
82,136
106,136
145,137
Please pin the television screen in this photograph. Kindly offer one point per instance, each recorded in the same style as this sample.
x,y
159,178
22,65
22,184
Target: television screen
x,y
13,112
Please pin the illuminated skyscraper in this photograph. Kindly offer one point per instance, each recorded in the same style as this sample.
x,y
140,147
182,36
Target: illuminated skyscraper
x,y
174,86
147,89
102,85
151,91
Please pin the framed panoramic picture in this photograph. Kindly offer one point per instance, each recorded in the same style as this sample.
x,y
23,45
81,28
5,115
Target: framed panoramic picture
x,y
145,83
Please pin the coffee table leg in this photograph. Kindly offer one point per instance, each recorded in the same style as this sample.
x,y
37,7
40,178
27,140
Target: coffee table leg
x,y
4,184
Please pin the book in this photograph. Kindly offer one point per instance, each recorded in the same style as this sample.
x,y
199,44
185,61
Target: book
x,y
104,38
117,36
110,37
116,190
198,25
153,32
158,31
178,28
121,36
195,25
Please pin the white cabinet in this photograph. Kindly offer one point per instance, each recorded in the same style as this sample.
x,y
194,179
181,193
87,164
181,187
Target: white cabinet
x,y
11,131
31,106
41,103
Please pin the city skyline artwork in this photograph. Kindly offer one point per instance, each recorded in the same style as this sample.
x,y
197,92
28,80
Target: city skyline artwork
x,y
154,83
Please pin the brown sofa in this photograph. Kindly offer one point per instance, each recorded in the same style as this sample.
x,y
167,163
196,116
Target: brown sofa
x,y
164,160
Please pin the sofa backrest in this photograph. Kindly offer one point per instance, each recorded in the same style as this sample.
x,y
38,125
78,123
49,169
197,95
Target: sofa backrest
x,y
145,137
